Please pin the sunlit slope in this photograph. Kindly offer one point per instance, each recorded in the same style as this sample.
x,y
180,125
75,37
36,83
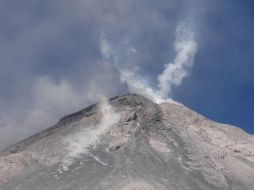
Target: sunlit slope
x,y
129,143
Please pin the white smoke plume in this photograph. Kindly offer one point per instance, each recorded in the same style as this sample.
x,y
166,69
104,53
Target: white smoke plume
x,y
139,86
79,143
173,74
186,48
135,83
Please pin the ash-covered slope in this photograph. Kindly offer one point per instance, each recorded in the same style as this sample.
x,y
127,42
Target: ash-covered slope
x,y
131,143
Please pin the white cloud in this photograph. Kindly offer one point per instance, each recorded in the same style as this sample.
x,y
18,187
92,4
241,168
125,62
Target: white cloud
x,y
50,102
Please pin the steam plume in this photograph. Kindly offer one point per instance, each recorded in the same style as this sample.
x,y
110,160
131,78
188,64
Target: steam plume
x,y
173,74
79,143
135,83
186,48
139,86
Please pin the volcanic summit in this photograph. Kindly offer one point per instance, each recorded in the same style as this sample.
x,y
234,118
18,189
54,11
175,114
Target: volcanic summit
x,y
131,143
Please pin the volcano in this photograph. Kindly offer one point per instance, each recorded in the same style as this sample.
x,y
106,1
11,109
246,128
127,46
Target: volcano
x,y
131,143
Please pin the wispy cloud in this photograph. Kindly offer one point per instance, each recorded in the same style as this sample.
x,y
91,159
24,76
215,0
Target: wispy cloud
x,y
50,101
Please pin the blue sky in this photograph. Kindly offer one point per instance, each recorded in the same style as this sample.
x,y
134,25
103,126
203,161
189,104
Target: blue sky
x,y
221,85
51,62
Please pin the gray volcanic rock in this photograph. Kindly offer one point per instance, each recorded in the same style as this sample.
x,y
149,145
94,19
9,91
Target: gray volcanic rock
x,y
131,144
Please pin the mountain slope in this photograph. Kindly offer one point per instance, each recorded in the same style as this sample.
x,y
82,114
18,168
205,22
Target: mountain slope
x,y
131,143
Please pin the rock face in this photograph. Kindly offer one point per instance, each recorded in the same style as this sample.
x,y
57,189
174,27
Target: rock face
x,y
131,144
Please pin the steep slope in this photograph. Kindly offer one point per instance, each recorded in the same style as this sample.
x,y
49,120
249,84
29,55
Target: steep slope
x,y
131,143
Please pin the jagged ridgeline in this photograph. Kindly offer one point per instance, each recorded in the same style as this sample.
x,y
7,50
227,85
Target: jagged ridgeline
x,y
131,143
